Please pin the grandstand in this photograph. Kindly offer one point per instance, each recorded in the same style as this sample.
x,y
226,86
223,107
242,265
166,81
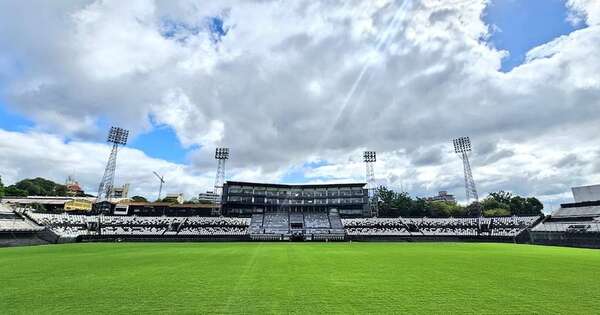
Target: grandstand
x,y
573,224
104,227
278,226
272,212
16,229
246,199
297,226
497,228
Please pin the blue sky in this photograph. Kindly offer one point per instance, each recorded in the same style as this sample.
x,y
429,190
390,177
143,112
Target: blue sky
x,y
520,25
524,24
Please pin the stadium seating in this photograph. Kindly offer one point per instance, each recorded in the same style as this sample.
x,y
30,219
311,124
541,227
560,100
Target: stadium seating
x,y
501,226
75,225
12,222
284,225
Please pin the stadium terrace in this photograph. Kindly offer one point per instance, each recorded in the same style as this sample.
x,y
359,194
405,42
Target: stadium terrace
x,y
274,212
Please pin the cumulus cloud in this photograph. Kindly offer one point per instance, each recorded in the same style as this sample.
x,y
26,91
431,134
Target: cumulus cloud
x,y
33,154
289,83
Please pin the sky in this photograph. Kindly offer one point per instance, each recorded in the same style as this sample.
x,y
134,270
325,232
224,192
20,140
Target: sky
x,y
298,90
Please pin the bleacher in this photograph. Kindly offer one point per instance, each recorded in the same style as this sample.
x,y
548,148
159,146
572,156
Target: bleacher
x,y
11,221
276,223
316,220
303,225
297,220
460,227
80,225
283,226
588,209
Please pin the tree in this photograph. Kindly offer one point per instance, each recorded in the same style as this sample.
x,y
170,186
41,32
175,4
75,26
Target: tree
x,y
493,203
518,205
39,187
14,191
498,212
420,208
139,199
501,196
534,206
385,199
402,204
1,187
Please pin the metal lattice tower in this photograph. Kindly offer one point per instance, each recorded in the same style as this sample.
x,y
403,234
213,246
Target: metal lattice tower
x,y
162,181
116,136
462,146
221,155
370,157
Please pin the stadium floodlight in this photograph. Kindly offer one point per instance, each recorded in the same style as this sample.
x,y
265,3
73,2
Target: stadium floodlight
x,y
462,147
222,153
117,136
370,156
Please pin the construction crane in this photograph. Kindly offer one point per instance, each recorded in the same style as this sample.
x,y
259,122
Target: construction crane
x,y
162,181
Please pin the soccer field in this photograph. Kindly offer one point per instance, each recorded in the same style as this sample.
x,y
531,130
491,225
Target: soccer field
x,y
299,278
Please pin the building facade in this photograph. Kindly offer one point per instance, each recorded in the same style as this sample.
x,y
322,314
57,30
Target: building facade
x,y
443,196
245,198
207,197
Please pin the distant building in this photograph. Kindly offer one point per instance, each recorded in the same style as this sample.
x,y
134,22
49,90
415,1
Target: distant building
x,y
73,187
443,196
120,192
207,197
174,198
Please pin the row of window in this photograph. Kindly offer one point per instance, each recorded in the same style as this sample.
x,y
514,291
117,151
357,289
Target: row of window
x,y
275,201
285,193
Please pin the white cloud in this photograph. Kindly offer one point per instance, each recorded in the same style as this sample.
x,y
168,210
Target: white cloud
x,y
584,10
294,82
33,154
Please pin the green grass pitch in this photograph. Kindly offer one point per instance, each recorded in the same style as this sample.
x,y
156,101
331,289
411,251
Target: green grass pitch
x,y
299,278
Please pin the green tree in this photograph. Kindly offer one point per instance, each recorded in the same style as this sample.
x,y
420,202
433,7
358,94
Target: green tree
x,y
533,206
420,208
1,187
498,212
493,203
14,191
385,199
501,196
40,187
518,205
402,204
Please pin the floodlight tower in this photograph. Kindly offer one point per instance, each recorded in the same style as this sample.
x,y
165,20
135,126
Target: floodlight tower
x,y
117,136
221,155
462,147
370,157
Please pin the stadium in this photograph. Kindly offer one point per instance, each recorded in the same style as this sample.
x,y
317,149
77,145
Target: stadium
x,y
293,248
299,157
306,248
